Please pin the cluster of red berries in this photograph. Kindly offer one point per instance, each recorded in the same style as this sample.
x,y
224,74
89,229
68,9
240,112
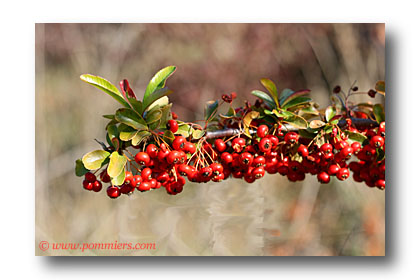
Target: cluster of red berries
x,y
368,169
280,152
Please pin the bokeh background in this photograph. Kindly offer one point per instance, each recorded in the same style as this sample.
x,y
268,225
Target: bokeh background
x,y
269,217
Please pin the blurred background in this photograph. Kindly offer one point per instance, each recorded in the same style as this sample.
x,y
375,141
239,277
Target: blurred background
x,y
269,217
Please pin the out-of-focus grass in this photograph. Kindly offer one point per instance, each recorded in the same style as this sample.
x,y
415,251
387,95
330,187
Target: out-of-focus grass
x,y
269,217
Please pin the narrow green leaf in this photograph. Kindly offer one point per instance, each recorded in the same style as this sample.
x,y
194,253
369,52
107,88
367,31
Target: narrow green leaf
x,y
94,159
160,95
139,137
210,109
106,86
158,81
306,134
116,164
130,118
330,113
119,180
272,89
268,100
288,94
379,112
111,117
80,169
230,114
296,101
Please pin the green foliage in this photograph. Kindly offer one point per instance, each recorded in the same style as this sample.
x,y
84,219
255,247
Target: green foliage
x,y
116,164
80,169
106,86
95,159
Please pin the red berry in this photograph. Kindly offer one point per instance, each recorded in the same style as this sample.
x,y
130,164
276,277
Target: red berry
x,y
144,186
184,169
226,158
246,159
258,172
142,158
380,184
172,125
179,142
291,137
217,168
356,146
274,140
323,177
258,161
262,131
218,178
343,174
326,148
205,172
97,186
189,148
238,144
90,177
105,177
128,177
377,141
346,152
113,192
136,181
333,169
265,145
163,177
87,185
303,150
173,157
220,145
146,174
152,150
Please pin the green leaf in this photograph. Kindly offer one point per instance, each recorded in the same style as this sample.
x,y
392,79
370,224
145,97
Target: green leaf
x,y
130,118
272,89
137,105
297,121
80,169
185,130
153,118
330,113
288,94
380,87
119,180
111,117
166,115
198,133
296,101
140,136
310,110
265,97
116,164
306,134
106,86
230,114
316,124
157,96
94,159
210,109
157,82
168,136
355,137
126,132
378,111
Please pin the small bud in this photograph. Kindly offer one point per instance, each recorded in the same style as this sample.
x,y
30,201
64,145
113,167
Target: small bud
x,y
336,89
372,93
